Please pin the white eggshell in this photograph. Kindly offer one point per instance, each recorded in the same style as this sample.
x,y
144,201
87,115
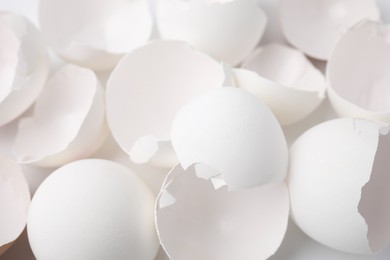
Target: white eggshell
x,y
195,221
316,26
358,72
338,183
95,34
228,30
68,121
14,202
145,91
233,132
24,65
284,79
92,209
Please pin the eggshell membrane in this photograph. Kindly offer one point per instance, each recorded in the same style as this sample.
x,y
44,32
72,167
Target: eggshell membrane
x,y
284,79
226,30
315,26
331,180
233,132
92,209
14,202
145,91
358,72
195,221
95,34
24,65
68,121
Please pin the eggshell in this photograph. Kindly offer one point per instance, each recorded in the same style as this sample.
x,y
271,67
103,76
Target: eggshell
x,y
195,221
233,132
338,184
24,65
14,202
68,121
95,34
92,209
228,30
316,26
145,91
358,72
284,79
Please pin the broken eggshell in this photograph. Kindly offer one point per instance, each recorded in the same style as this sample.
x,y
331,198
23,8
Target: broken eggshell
x,y
145,91
284,79
358,72
338,182
95,34
68,121
233,132
196,221
315,26
14,202
228,30
24,65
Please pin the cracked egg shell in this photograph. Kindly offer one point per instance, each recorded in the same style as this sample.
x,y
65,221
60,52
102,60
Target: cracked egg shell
x,y
68,122
146,90
284,79
14,202
196,221
228,30
233,132
358,72
24,65
95,34
339,184
315,26
93,209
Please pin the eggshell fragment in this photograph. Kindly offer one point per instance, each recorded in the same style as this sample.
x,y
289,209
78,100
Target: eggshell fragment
x,y
68,121
233,132
14,202
95,34
226,30
92,209
195,221
338,184
284,79
146,90
315,26
358,72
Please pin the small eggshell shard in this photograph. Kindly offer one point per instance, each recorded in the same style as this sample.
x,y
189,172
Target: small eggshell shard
x,y
315,26
226,30
284,79
145,91
195,221
233,132
14,202
92,209
358,72
24,65
335,169
95,34
68,121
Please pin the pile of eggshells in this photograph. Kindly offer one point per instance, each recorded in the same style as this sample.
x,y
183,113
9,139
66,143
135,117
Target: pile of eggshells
x,y
206,91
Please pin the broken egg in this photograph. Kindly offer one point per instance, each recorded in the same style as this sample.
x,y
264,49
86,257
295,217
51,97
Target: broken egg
x,y
233,132
68,122
228,30
315,26
284,79
195,221
95,34
92,209
145,91
338,183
